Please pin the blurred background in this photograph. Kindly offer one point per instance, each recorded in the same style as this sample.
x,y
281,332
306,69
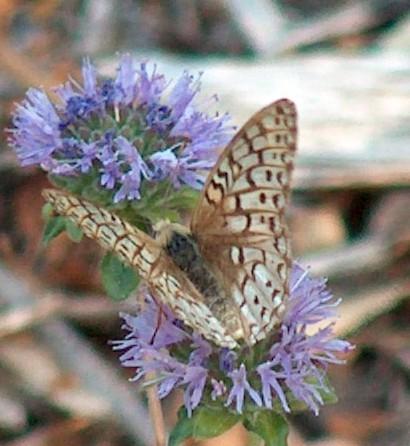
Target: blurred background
x,y
346,64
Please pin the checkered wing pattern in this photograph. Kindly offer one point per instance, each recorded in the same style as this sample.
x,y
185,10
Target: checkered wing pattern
x,y
240,224
135,248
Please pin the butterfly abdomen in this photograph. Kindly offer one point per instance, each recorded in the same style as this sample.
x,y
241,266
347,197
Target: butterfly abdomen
x,y
184,251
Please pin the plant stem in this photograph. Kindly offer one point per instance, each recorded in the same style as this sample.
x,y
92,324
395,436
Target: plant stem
x,y
155,411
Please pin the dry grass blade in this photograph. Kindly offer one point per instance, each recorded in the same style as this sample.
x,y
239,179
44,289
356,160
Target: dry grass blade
x,y
366,306
20,319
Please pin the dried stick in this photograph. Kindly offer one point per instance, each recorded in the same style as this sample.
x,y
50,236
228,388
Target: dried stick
x,y
154,404
155,410
20,319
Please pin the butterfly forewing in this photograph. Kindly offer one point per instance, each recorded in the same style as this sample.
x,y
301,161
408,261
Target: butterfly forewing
x,y
137,249
240,224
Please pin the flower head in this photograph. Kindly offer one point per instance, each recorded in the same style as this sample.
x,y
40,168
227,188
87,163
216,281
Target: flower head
x,y
121,132
290,367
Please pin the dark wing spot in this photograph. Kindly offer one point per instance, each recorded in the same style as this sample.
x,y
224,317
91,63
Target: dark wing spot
x,y
275,292
249,178
238,203
275,200
224,176
253,270
262,197
248,221
241,257
243,284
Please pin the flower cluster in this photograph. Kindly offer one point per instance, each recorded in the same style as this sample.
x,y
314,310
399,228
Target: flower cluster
x,y
121,132
280,373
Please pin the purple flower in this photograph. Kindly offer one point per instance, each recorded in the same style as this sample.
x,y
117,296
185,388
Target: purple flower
x,y
90,78
88,154
271,386
182,95
121,131
240,386
291,367
126,82
218,389
180,170
195,380
227,360
36,136
155,325
137,169
151,85
202,350
110,167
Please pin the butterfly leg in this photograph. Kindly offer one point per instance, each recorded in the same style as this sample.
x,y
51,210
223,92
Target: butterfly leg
x,y
160,315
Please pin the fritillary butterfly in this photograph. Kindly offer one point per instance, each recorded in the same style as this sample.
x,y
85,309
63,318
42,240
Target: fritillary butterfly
x,y
227,275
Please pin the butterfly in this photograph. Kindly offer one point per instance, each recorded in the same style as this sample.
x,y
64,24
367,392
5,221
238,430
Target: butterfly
x,y
227,275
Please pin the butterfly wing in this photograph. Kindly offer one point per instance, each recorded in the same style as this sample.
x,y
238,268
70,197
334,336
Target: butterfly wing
x,y
135,248
240,224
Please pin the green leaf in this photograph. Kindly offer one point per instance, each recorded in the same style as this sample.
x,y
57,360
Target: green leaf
x,y
54,226
183,430
205,422
155,214
329,397
327,392
213,421
73,184
253,439
73,231
269,425
119,280
184,198
47,211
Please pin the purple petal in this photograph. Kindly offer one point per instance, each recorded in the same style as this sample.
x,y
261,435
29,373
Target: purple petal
x,y
151,85
36,135
126,81
270,382
182,94
195,378
240,385
90,78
